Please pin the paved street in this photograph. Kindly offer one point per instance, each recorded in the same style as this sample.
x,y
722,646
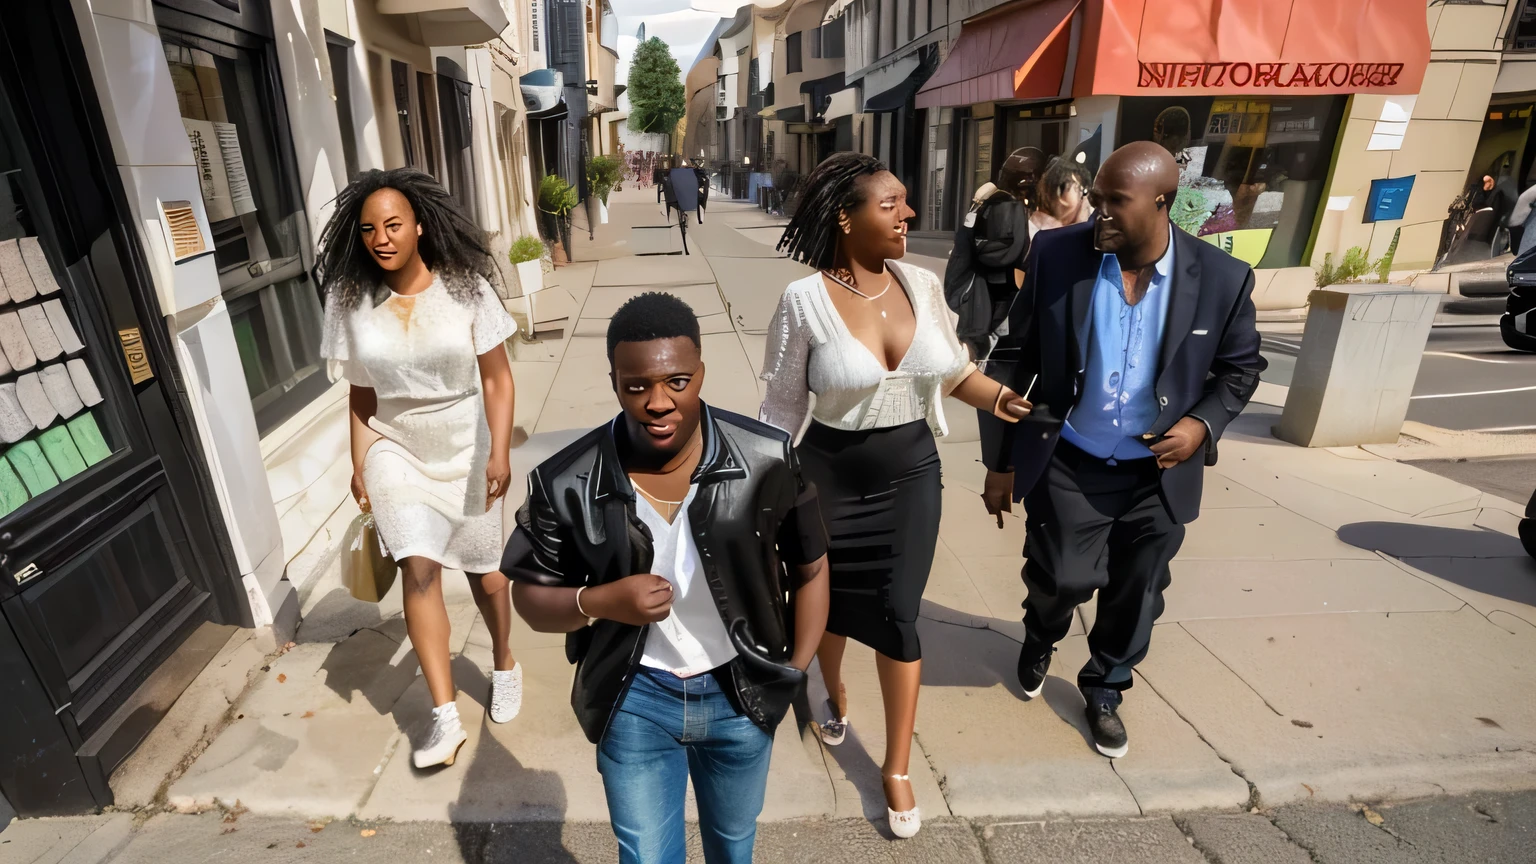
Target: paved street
x,y
1468,379
1512,478
1341,628
1490,829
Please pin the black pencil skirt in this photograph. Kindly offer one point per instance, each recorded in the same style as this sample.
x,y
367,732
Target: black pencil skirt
x,y
880,496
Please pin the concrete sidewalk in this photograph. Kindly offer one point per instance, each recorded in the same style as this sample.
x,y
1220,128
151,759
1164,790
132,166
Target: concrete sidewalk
x,y
1340,626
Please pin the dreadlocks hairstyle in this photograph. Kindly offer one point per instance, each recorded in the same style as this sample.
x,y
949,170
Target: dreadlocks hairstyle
x,y
451,246
651,316
832,188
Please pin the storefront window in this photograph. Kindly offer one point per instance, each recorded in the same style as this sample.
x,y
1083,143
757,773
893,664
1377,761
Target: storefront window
x,y
936,168
1042,126
54,419
228,107
1252,171
979,153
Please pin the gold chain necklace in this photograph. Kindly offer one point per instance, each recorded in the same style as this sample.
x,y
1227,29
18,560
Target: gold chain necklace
x,y
670,505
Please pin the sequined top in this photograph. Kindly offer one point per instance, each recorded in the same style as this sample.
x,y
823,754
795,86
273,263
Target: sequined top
x,y
810,350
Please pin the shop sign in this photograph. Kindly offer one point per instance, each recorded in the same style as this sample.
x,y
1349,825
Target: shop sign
x,y
1259,76
1388,200
134,353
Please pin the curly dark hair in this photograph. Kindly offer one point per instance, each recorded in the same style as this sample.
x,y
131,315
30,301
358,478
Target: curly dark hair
x,y
651,316
832,188
1057,176
452,247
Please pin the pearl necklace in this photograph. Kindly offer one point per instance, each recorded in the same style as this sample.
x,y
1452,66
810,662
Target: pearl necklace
x,y
888,282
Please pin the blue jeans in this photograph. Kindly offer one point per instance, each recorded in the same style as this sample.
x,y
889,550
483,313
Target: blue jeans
x,y
667,729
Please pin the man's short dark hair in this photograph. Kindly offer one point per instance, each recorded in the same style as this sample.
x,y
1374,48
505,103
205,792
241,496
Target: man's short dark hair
x,y
651,316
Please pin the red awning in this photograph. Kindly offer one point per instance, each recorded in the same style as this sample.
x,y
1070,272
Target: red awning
x,y
1019,53
1276,47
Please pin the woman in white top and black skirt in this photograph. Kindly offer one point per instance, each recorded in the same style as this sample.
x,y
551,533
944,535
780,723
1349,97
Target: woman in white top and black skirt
x,y
875,342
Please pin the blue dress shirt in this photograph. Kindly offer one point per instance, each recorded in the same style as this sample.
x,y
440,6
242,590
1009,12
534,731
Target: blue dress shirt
x,y
1119,399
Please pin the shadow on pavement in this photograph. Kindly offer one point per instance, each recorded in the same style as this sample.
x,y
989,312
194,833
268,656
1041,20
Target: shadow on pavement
x,y
1470,557
958,656
493,769
360,663
487,782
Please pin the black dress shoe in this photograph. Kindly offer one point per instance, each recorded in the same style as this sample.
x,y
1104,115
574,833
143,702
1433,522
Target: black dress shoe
x,y
1032,669
1104,720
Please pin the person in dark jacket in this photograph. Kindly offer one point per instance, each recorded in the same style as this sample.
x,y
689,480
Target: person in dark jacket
x,y
1143,342
679,548
981,278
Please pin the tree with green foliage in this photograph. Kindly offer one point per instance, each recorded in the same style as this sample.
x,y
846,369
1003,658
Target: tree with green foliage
x,y
656,95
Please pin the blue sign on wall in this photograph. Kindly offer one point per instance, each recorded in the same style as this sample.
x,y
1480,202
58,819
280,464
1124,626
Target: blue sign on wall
x,y
1388,199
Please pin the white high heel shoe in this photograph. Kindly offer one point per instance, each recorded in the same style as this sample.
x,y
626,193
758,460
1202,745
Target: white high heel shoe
x,y
907,823
506,693
444,740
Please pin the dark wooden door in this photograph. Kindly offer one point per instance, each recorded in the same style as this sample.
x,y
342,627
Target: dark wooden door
x,y
109,553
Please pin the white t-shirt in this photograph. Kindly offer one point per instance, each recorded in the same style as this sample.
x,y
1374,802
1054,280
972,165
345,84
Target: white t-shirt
x,y
692,639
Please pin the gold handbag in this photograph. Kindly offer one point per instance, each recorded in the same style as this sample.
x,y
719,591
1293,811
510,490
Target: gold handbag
x,y
367,569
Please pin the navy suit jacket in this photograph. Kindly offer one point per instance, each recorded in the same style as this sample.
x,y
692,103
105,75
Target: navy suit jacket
x,y
1208,366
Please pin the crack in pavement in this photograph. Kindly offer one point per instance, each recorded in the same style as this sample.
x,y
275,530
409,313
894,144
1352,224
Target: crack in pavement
x,y
1132,792
1253,790
1228,667
939,777
1182,823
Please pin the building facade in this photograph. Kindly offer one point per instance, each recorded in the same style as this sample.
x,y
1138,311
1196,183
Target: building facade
x,y
176,449
1303,128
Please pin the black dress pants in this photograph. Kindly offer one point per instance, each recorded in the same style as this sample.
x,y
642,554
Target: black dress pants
x,y
1096,526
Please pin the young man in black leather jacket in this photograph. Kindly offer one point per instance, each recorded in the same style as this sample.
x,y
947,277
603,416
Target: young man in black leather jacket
x,y
679,548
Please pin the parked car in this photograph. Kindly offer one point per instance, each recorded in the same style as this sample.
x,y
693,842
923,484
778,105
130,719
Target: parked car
x,y
1528,528
1518,324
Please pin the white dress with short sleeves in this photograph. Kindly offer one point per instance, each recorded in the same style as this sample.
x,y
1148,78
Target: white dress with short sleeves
x,y
425,476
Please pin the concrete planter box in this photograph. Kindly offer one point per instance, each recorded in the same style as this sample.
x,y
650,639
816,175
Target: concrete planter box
x,y
1359,359
530,277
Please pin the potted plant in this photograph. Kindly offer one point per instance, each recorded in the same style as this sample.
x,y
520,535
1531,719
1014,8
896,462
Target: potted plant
x,y
557,199
603,174
529,262
527,257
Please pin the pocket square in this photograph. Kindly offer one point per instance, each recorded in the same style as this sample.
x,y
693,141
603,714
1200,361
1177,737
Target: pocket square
x,y
1201,332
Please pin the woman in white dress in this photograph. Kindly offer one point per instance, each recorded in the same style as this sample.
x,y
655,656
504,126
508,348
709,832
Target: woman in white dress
x,y
413,325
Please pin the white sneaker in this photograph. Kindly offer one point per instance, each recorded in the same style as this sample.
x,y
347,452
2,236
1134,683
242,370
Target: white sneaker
x,y
506,693
444,739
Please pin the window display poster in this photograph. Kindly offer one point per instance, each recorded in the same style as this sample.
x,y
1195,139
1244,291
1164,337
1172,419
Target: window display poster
x,y
234,168
211,174
1247,245
210,86
189,98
